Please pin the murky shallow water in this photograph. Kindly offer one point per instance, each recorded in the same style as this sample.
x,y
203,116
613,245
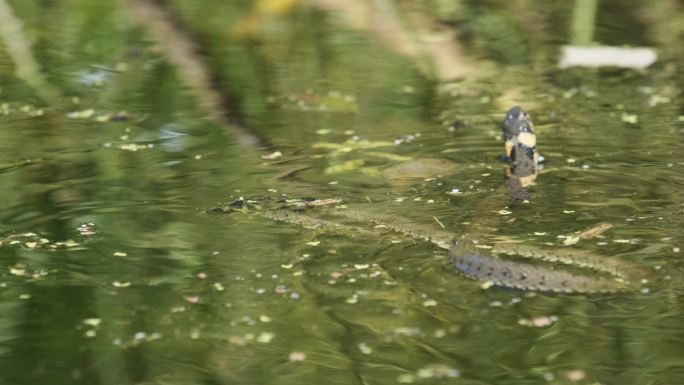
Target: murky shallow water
x,y
155,290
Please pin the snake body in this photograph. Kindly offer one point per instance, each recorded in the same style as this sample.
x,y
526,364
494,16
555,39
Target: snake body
x,y
471,253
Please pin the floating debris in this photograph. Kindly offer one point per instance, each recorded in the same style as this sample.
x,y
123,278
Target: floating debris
x,y
19,270
629,118
86,229
576,375
607,56
438,371
134,147
272,156
281,289
430,303
94,322
539,322
265,337
297,356
595,231
354,299
33,241
364,348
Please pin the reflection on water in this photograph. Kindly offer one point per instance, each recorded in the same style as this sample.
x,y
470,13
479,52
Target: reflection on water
x,y
144,286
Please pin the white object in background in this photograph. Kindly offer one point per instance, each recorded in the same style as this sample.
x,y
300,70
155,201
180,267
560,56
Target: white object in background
x,y
607,56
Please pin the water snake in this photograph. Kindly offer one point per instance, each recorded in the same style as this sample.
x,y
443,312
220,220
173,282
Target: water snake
x,y
472,252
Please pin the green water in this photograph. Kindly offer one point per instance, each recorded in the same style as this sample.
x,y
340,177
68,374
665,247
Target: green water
x,y
154,290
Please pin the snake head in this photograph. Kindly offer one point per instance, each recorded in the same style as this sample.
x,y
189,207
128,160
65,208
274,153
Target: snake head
x,y
516,122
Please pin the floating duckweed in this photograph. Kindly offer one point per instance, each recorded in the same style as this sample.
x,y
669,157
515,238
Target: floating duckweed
x,y
265,337
429,303
297,356
438,371
272,156
364,348
92,321
629,118
280,289
539,322
134,147
575,375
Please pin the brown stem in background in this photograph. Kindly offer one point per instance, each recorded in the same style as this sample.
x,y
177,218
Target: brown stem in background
x,y
181,50
435,49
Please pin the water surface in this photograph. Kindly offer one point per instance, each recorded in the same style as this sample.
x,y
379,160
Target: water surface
x,y
153,289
